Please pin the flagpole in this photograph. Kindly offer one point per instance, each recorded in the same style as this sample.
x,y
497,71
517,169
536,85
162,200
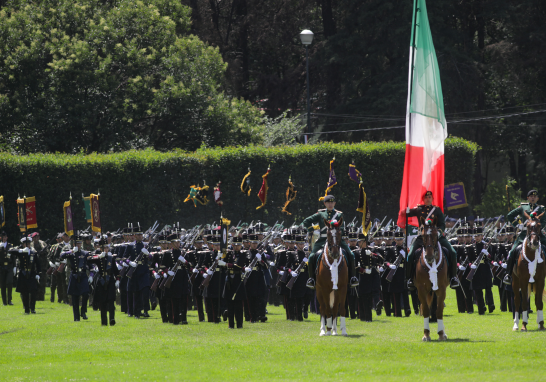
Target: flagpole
x,y
412,48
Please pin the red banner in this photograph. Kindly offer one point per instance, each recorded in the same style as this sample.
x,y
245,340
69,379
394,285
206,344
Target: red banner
x,y
262,194
95,213
30,206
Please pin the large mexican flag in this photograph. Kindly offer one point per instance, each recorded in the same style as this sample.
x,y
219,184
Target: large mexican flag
x,y
426,127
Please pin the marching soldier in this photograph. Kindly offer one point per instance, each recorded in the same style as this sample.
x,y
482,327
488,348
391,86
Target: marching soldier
x,y
213,292
106,283
160,275
196,258
517,218
255,286
29,275
139,283
58,277
500,253
41,249
462,262
235,292
176,267
483,279
283,276
369,288
427,210
78,285
328,214
397,286
351,302
7,269
298,292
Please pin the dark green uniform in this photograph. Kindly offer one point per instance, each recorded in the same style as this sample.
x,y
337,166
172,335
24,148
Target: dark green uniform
x,y
424,211
319,218
517,215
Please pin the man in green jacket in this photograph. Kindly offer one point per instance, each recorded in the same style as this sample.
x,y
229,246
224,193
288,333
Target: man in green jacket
x,y
517,218
328,214
428,210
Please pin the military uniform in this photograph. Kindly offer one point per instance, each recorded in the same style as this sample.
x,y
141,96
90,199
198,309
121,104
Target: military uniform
x,y
296,301
283,276
7,272
105,284
139,282
483,278
318,219
431,211
213,292
256,284
516,217
369,287
78,285
58,277
176,266
195,257
465,254
234,290
29,276
41,249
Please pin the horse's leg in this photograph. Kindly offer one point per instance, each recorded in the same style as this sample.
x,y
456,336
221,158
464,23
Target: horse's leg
x,y
322,325
539,288
517,302
425,311
524,304
441,296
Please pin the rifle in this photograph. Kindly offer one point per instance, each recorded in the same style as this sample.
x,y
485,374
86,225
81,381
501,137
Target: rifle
x,y
378,228
131,271
390,276
176,267
206,280
292,281
472,272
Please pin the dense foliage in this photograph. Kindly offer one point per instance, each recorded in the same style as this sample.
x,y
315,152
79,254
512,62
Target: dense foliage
x,y
146,185
96,76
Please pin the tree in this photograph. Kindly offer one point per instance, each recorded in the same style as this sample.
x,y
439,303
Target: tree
x,y
98,76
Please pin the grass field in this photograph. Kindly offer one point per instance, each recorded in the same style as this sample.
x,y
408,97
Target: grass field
x,y
50,346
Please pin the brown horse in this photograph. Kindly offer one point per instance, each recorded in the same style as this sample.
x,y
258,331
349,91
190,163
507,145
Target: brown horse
x,y
332,281
431,277
528,275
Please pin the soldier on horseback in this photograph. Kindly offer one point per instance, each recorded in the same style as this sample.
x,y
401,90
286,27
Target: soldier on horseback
x,y
517,218
428,210
328,214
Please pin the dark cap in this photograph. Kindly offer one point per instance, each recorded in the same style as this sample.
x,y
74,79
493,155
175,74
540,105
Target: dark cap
x,y
362,237
532,193
428,193
3,233
237,240
329,197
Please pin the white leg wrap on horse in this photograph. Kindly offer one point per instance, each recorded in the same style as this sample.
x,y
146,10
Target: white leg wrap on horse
x,y
329,322
525,317
342,326
427,327
516,321
441,326
540,316
322,325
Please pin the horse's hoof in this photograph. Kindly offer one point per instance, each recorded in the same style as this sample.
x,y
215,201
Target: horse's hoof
x,y
328,333
426,339
442,338
322,333
515,328
541,328
523,328
344,333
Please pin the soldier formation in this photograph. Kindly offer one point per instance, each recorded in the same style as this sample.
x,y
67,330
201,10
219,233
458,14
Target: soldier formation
x,y
179,270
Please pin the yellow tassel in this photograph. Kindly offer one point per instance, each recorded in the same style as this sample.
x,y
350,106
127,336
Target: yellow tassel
x,y
247,192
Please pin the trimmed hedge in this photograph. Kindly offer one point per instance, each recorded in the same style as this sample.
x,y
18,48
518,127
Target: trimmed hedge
x,y
144,186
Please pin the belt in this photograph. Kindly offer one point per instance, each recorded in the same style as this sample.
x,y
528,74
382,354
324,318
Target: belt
x,y
218,269
401,266
139,263
482,261
255,268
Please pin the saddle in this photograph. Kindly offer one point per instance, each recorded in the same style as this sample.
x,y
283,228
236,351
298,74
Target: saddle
x,y
319,259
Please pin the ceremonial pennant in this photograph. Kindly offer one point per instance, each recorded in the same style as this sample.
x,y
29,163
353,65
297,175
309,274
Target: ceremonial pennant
x,y
87,207
426,127
331,180
30,207
290,196
245,184
198,194
68,222
95,213
218,195
262,194
363,206
21,214
224,229
2,212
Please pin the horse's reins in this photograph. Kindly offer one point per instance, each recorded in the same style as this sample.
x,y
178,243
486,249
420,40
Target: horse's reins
x,y
532,265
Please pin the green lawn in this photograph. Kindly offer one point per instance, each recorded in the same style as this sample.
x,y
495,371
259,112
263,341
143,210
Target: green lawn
x,y
50,346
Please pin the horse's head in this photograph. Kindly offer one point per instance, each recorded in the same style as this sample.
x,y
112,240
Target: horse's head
x,y
333,237
533,229
429,232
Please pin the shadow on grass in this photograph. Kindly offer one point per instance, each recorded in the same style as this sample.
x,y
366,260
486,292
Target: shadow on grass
x,y
467,340
10,331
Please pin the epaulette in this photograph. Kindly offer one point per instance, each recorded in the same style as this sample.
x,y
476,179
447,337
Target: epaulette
x,y
323,209
524,204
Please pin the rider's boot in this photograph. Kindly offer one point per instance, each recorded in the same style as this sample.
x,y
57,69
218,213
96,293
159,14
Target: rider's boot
x,y
410,271
311,268
454,283
509,266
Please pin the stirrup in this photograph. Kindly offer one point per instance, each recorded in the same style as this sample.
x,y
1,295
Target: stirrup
x,y
454,283
354,282
310,284
507,280
410,285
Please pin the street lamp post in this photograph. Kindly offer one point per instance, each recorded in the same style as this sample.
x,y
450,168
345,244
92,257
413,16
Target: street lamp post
x,y
306,37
